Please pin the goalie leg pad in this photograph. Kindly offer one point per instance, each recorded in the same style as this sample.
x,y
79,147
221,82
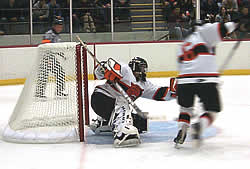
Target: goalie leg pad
x,y
125,134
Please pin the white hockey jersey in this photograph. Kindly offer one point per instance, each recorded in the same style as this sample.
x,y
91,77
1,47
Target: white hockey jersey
x,y
133,88
196,58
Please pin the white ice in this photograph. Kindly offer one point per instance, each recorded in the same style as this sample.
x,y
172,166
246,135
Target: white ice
x,y
229,149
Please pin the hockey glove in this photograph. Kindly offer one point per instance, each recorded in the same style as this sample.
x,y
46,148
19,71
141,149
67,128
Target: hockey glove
x,y
173,87
113,71
134,91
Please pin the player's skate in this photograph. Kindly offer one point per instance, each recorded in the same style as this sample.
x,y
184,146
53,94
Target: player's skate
x,y
100,125
196,134
125,134
181,136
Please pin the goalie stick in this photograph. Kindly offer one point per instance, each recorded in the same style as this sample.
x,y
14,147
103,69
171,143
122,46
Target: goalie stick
x,y
123,93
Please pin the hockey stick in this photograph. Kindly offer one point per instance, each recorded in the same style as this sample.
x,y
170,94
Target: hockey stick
x,y
166,35
123,93
231,53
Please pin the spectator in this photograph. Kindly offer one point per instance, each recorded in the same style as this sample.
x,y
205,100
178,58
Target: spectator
x,y
11,13
66,14
121,9
231,6
1,24
41,11
105,12
168,7
186,9
243,3
244,9
86,15
219,3
24,12
244,13
223,16
54,11
173,24
211,9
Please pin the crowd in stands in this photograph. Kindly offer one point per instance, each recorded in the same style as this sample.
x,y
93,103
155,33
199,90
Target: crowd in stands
x,y
87,14
179,13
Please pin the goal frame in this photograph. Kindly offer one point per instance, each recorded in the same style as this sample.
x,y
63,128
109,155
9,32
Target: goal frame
x,y
82,120
43,128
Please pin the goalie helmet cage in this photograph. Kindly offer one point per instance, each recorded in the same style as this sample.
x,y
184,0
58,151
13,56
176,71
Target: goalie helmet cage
x,y
54,103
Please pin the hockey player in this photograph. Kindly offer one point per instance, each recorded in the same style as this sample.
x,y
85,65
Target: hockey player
x,y
114,111
198,76
50,63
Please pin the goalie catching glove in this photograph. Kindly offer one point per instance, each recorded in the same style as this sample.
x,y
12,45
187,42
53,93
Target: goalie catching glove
x,y
113,70
109,70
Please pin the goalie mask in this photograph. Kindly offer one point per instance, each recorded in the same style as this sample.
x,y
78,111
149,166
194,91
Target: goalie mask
x,y
139,67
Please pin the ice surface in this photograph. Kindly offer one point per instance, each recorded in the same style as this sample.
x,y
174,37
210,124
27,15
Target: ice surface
x,y
227,143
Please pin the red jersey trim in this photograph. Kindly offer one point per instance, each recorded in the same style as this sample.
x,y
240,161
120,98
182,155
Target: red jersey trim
x,y
199,75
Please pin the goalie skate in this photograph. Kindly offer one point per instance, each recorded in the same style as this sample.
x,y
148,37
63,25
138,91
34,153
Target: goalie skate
x,y
100,125
128,136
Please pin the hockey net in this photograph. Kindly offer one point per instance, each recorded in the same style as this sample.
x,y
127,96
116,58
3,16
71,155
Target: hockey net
x,y
53,105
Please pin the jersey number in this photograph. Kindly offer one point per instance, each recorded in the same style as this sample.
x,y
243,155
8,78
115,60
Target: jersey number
x,y
188,55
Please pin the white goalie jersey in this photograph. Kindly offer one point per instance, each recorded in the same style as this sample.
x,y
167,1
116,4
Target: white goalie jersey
x,y
132,87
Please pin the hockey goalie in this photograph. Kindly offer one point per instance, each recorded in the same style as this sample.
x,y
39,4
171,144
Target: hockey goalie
x,y
114,112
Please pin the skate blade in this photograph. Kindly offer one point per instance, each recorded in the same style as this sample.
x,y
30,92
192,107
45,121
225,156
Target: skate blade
x,y
178,146
128,143
197,143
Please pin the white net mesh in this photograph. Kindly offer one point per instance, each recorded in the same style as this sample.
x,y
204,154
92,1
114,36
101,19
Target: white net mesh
x,y
47,109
